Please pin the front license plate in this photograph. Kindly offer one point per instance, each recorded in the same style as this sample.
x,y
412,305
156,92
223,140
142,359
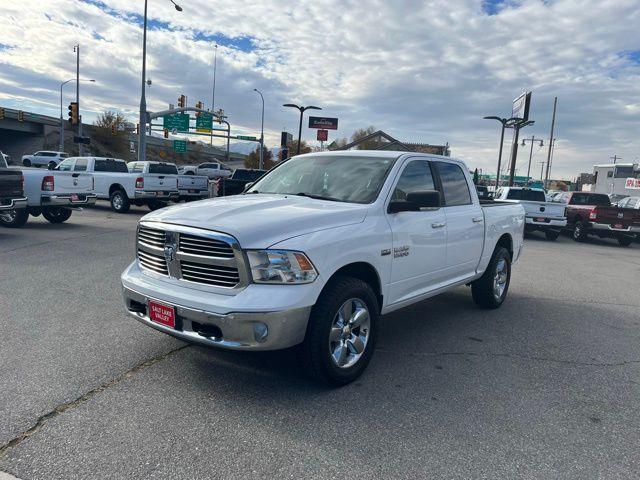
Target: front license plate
x,y
162,314
193,191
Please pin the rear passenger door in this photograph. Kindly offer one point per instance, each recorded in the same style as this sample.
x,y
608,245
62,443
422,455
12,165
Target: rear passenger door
x,y
465,223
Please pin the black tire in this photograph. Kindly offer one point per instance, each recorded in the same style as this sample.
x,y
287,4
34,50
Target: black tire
x,y
483,291
56,214
580,231
156,204
189,172
625,240
120,202
317,347
552,235
26,163
52,165
14,218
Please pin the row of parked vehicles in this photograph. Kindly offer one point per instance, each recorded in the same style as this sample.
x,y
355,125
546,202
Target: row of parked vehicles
x,y
80,181
580,213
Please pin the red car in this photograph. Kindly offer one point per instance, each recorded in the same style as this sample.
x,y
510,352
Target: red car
x,y
592,214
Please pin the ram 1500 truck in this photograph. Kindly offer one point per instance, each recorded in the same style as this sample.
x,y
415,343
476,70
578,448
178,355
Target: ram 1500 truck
x,y
52,194
12,198
316,250
115,183
592,214
190,187
547,217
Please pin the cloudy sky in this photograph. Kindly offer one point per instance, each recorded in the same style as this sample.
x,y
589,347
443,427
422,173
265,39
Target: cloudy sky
x,y
423,71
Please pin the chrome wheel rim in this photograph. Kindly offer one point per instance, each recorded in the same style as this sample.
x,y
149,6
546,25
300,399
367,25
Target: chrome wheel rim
x,y
500,278
9,216
577,231
349,333
117,202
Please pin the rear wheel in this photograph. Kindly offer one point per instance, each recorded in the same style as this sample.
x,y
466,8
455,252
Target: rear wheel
x,y
56,214
14,218
490,290
26,162
156,204
625,240
342,331
552,234
120,202
52,165
580,231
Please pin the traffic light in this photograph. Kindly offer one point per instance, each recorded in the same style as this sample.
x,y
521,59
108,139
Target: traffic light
x,y
166,133
20,116
1,113
137,129
199,105
113,129
182,101
73,113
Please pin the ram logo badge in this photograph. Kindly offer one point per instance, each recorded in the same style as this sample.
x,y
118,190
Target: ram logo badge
x,y
402,251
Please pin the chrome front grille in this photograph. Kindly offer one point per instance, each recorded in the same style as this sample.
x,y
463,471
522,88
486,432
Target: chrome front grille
x,y
150,261
210,259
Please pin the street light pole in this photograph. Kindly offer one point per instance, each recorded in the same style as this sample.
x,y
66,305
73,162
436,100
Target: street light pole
x,y
261,131
302,110
514,147
213,93
504,122
61,142
80,145
142,147
531,140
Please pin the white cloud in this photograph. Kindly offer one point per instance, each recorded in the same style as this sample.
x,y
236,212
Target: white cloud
x,y
422,71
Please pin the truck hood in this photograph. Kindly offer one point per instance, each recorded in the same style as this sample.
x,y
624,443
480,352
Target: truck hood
x,y
258,221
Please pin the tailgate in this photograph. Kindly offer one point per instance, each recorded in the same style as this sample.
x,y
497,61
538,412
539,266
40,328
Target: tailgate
x,y
617,217
160,183
11,183
191,182
544,209
69,182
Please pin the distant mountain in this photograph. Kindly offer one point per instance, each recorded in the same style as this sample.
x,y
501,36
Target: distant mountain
x,y
243,147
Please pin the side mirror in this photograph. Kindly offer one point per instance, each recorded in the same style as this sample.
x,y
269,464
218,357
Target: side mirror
x,y
247,186
415,201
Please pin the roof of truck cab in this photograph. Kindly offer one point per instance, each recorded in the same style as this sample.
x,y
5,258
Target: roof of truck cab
x,y
375,154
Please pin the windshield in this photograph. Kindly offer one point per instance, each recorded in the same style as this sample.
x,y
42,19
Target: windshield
x,y
344,179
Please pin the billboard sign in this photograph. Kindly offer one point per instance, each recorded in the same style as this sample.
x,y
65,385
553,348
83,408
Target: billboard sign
x,y
323,135
285,139
521,106
323,123
632,183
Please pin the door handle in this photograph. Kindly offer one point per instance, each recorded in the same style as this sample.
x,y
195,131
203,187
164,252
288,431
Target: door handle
x,y
478,219
438,224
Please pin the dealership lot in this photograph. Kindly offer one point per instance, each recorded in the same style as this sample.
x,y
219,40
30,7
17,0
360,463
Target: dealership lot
x,y
546,387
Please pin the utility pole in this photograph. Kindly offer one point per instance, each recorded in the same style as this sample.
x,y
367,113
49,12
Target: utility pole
x,y
542,170
553,124
213,93
615,158
80,145
531,140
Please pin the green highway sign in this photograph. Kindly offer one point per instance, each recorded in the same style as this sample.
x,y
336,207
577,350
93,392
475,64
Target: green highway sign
x,y
180,146
245,137
177,121
204,122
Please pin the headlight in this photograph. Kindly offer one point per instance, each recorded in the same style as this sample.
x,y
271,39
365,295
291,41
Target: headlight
x,y
281,266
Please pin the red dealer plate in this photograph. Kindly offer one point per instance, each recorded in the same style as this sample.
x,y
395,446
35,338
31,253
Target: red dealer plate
x,y
618,226
162,314
74,197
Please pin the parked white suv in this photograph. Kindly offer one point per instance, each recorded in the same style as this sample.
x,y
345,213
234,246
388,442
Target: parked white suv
x,y
316,250
44,158
212,170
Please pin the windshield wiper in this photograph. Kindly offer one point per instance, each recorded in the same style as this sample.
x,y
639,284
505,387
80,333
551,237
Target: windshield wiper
x,y
318,197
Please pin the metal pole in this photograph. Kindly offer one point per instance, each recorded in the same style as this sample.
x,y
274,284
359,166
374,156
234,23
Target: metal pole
x,y
533,139
228,137
261,132
61,143
300,130
143,101
514,154
500,154
542,170
553,124
213,93
80,145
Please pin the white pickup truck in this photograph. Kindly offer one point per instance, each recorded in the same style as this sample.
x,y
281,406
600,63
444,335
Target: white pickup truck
x,y
113,182
212,170
52,194
190,187
316,250
547,217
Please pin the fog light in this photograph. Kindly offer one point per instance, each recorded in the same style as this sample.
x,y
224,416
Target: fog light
x,y
260,332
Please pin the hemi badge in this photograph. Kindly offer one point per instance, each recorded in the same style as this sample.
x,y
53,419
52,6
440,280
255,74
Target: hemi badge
x,y
386,251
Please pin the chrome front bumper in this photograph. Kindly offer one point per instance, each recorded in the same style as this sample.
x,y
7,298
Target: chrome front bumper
x,y
609,228
14,204
157,195
67,201
235,331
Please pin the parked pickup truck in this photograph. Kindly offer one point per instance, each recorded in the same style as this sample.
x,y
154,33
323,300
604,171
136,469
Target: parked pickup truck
x,y
316,250
190,187
236,183
541,215
52,194
113,182
212,170
12,198
44,158
592,214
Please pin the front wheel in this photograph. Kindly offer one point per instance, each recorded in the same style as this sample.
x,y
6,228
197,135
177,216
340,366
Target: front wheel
x,y
56,214
342,331
26,163
120,202
580,231
490,290
14,218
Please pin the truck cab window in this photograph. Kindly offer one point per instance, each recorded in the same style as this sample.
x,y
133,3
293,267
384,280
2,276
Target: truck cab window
x,y
80,166
454,184
66,165
415,177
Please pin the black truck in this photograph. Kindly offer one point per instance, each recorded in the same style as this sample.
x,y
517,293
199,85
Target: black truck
x,y
12,197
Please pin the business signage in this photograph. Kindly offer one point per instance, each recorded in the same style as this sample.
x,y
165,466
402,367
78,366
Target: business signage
x,y
323,123
632,183
285,139
323,135
520,108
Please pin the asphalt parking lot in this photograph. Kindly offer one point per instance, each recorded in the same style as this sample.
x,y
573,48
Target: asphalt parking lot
x,y
546,387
